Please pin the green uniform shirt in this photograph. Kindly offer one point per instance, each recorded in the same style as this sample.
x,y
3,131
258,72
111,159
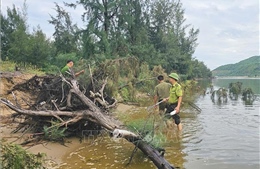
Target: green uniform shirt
x,y
66,71
175,93
162,90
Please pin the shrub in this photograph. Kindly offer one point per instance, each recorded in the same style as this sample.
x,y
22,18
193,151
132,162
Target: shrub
x,y
14,156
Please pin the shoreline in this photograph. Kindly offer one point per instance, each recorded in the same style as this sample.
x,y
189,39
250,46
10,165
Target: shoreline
x,y
235,77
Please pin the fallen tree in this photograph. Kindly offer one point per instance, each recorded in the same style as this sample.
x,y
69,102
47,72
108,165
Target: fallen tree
x,y
68,113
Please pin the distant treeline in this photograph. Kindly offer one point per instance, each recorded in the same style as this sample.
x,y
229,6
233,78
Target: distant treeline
x,y
248,67
154,32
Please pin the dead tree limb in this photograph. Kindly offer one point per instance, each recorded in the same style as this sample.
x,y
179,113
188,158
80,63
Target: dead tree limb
x,y
95,114
92,81
104,121
147,149
102,89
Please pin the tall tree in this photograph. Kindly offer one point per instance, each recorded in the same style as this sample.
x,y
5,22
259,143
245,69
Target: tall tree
x,y
65,33
18,44
99,14
40,49
199,70
171,37
129,31
15,35
161,12
6,31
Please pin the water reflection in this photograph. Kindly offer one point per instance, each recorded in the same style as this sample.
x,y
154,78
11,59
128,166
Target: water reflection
x,y
252,83
235,91
248,96
219,96
228,135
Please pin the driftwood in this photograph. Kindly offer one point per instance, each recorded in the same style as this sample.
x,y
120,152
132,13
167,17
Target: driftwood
x,y
96,115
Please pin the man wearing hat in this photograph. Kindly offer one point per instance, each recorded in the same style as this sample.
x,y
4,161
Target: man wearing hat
x,y
174,100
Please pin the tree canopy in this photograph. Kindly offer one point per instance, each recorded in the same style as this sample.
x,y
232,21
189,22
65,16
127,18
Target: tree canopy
x,y
155,32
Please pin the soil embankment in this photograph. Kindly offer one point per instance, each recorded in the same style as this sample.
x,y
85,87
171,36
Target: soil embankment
x,y
7,81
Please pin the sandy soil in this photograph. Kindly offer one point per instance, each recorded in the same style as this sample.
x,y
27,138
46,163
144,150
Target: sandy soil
x,y
7,81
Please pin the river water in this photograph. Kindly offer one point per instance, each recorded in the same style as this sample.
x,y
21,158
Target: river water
x,y
221,136
226,135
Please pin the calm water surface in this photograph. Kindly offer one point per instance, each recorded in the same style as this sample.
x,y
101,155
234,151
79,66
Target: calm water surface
x,y
221,136
227,134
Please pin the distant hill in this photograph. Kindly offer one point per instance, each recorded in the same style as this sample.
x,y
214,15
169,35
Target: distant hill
x,y
248,67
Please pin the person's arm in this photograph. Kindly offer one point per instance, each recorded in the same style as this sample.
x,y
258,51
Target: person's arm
x,y
80,72
155,99
178,105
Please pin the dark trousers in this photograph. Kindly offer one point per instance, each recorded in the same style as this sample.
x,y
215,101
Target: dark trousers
x,y
169,109
163,105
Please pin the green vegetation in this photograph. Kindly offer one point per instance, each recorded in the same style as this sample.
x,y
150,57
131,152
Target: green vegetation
x,y
9,66
14,156
248,67
54,132
153,32
146,128
140,126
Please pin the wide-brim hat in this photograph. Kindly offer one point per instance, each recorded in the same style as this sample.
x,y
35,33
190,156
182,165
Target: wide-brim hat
x,y
174,76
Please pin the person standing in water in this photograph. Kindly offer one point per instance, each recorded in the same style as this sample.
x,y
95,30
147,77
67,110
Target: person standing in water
x,y
161,91
174,100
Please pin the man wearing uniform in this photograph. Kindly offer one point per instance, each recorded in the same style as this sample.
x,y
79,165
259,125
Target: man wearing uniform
x,y
68,72
161,91
174,100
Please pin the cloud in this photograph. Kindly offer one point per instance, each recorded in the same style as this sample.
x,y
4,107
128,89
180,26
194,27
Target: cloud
x,y
229,30
38,12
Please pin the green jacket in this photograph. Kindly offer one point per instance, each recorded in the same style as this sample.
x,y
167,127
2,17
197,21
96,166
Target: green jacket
x,y
175,93
66,71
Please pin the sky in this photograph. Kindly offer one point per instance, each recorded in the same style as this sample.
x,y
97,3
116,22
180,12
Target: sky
x,y
229,29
